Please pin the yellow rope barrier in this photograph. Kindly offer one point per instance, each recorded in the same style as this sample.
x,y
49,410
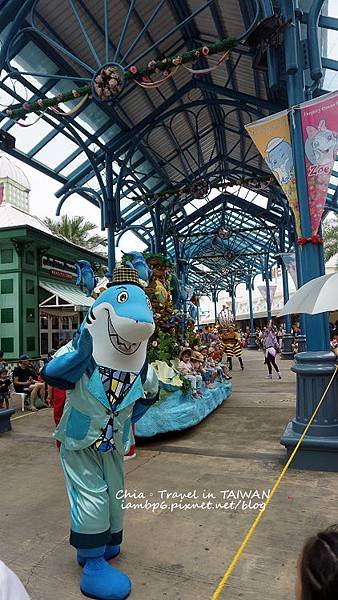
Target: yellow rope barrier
x,y
253,527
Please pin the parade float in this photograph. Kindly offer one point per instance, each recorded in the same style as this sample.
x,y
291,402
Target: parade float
x,y
175,311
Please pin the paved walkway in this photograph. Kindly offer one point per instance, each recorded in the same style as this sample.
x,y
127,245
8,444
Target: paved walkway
x,y
178,555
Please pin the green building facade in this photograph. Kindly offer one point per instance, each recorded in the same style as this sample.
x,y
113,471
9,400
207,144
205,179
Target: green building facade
x,y
40,305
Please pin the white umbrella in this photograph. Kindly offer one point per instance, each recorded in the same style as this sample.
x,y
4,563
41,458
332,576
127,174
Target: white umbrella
x,y
317,296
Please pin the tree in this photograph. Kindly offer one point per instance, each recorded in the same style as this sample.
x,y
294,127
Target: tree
x,y
330,235
77,231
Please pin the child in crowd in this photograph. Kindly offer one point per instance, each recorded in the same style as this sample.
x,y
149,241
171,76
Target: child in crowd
x,y
186,368
216,355
317,569
5,383
209,372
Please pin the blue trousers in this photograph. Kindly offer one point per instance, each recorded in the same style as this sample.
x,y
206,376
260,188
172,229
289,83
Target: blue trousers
x,y
93,480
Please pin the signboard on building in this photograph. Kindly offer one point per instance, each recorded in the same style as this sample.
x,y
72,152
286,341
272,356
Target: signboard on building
x,y
59,268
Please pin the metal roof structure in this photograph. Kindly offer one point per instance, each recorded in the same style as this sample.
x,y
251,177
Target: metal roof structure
x,y
190,129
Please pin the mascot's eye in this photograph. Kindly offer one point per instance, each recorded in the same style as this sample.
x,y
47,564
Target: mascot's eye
x,y
122,297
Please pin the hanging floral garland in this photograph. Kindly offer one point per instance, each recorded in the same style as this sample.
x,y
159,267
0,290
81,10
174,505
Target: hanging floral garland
x,y
110,79
201,188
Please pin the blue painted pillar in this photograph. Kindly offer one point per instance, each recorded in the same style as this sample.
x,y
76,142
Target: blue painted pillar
x,y
252,338
319,450
214,298
287,339
310,256
110,216
268,297
233,303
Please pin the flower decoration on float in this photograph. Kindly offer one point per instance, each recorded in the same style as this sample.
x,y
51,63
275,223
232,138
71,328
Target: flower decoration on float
x,y
108,82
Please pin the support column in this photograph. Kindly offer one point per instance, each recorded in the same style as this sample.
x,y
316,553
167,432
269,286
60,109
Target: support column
x,y
110,216
287,339
314,368
233,303
268,296
252,338
214,298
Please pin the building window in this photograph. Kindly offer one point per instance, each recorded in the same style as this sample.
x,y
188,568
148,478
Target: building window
x,y
7,344
30,287
29,257
7,286
30,315
6,255
7,315
30,343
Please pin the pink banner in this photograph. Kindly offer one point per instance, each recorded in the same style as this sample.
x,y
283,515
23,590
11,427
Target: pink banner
x,y
319,125
1,193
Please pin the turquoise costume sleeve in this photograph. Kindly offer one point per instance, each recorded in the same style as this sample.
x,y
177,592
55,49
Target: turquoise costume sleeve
x,y
151,389
69,367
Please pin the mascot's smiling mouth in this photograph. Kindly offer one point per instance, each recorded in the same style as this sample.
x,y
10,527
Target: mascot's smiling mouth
x,y
119,343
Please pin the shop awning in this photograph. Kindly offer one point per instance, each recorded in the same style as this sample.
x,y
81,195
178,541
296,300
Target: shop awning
x,y
68,292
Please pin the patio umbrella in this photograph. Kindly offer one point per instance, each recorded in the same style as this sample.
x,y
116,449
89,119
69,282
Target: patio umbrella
x,y
317,296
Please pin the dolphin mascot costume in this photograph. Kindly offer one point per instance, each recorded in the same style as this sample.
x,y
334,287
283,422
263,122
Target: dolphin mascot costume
x,y
107,376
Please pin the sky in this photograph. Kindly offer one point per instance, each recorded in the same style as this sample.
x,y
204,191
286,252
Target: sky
x,y
43,203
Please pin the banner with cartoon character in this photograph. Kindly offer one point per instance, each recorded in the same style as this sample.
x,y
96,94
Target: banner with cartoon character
x,y
272,138
319,125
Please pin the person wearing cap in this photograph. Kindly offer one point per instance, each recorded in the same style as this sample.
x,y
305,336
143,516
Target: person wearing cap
x,y
105,372
25,380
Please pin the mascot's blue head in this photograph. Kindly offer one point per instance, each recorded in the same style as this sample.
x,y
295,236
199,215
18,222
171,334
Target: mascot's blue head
x,y
120,322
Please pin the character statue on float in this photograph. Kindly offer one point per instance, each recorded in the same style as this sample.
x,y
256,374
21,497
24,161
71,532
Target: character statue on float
x,y
106,373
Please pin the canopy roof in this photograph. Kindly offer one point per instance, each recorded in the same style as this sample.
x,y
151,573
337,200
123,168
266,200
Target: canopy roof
x,y
189,129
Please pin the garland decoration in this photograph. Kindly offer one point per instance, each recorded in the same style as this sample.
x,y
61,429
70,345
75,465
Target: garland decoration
x,y
203,187
109,80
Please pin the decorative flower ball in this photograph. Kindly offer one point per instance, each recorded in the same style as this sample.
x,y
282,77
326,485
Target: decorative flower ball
x,y
205,50
154,344
152,65
108,82
224,233
133,69
200,189
229,255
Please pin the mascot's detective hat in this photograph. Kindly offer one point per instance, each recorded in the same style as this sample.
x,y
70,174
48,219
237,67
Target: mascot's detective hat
x,y
124,275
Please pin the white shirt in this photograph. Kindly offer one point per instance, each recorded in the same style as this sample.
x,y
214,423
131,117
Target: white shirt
x,y
11,587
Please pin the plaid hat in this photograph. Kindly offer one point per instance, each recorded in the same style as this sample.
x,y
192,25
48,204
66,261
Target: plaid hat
x,y
125,275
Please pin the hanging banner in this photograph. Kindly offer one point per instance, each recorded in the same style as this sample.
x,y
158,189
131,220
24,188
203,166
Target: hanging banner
x,y
319,126
262,289
272,138
289,260
1,193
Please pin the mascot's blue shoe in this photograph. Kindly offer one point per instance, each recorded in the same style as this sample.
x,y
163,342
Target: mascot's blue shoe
x,y
110,552
101,581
